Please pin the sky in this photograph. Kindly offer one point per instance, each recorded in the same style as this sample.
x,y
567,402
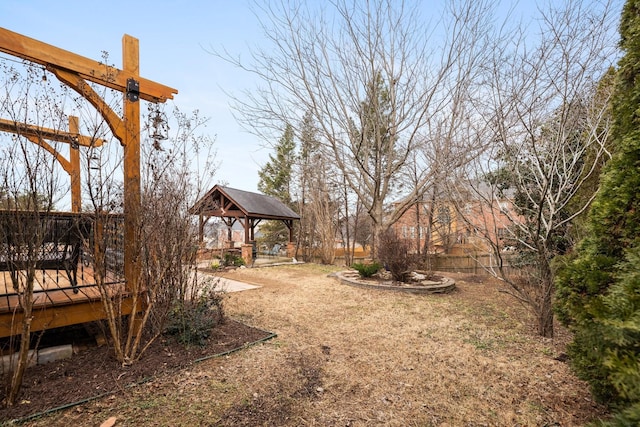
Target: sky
x,y
175,37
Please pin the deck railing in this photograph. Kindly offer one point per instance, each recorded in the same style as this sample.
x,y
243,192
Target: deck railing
x,y
72,260
60,246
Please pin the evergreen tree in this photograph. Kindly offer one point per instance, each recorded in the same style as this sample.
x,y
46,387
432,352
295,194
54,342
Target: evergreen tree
x,y
275,175
275,180
599,290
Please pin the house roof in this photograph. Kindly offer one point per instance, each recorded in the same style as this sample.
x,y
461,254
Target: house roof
x,y
224,201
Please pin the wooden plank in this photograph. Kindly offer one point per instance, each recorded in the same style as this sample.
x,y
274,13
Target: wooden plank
x,y
48,133
55,317
56,307
53,57
55,289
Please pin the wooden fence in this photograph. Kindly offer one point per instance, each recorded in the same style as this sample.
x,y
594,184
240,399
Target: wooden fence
x,y
481,264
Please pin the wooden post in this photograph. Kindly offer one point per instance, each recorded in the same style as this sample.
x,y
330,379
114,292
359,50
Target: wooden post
x,y
131,142
247,231
74,160
291,249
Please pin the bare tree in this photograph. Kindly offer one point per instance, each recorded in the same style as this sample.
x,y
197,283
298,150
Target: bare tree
x,y
547,116
172,180
322,211
30,186
372,77
353,226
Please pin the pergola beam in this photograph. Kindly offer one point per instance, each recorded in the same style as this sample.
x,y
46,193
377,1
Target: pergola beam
x,y
37,135
52,57
31,131
77,83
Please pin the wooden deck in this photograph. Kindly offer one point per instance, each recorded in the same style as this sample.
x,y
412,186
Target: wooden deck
x,y
55,302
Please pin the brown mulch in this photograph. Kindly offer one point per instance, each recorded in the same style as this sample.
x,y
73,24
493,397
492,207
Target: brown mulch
x,y
94,371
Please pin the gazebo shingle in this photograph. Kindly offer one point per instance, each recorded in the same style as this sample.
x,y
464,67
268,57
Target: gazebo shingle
x,y
258,205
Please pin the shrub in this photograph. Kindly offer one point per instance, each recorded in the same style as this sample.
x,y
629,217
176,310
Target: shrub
x,y
232,260
367,270
393,252
192,321
598,292
215,264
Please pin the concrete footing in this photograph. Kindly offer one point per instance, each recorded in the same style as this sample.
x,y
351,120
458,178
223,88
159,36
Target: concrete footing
x,y
42,356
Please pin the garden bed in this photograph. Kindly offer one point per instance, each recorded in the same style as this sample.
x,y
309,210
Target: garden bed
x,y
94,371
433,285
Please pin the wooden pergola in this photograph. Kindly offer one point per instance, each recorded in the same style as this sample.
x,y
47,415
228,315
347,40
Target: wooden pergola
x,y
77,72
40,136
247,208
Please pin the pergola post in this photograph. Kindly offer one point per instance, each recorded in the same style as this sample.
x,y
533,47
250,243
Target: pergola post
x,y
131,142
74,160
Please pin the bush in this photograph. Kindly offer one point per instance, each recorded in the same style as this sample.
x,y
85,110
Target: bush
x,y
231,260
192,321
367,270
393,252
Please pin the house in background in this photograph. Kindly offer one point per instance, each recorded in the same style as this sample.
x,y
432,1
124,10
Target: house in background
x,y
431,227
445,226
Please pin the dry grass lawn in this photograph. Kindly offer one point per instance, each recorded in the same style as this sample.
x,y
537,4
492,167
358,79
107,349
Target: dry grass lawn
x,y
346,356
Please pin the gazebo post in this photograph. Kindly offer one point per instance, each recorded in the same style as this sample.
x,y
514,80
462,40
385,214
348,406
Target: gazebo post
x,y
247,253
247,246
200,229
291,246
230,243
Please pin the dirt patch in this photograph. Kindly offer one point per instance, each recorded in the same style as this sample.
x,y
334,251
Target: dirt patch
x,y
277,404
94,371
348,356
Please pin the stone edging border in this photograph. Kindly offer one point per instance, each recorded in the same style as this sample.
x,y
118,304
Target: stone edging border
x,y
448,284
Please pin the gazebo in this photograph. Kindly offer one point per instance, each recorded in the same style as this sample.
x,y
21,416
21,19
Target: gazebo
x,y
233,205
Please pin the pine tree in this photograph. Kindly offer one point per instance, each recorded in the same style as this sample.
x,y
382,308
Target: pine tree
x,y
275,175
599,291
275,180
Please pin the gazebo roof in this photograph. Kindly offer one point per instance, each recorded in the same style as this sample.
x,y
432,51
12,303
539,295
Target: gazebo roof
x,y
223,201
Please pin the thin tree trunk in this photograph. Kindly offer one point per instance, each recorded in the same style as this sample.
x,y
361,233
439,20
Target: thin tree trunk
x,y
25,340
545,314
348,254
